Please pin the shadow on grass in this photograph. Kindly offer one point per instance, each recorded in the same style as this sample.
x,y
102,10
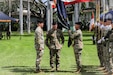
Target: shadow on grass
x,y
83,40
22,69
90,44
59,71
89,70
30,69
86,70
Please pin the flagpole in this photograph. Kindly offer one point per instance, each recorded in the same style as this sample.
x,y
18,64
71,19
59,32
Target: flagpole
x,y
104,6
97,10
76,13
73,19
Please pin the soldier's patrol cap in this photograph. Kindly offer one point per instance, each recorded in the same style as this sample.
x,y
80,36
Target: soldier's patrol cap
x,y
78,23
40,21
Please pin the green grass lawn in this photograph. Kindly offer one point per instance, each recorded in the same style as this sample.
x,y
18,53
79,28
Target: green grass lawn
x,y
18,58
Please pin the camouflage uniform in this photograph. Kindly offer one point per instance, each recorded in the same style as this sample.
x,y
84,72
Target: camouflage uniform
x,y
39,43
111,51
54,39
109,38
78,46
102,48
109,44
106,48
98,34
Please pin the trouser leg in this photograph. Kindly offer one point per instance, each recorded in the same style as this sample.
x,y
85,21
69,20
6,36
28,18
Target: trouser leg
x,y
38,58
107,57
112,61
52,57
57,58
99,50
93,38
110,57
78,60
102,59
77,53
104,55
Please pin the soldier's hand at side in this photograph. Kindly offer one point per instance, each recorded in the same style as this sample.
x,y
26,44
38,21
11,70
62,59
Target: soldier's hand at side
x,y
69,30
103,39
40,48
99,41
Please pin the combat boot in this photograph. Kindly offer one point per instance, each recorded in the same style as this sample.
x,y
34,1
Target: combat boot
x,y
101,68
52,69
57,69
78,70
38,71
105,71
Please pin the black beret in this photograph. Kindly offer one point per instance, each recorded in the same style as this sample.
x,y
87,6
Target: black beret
x,y
109,19
78,23
40,20
105,20
54,23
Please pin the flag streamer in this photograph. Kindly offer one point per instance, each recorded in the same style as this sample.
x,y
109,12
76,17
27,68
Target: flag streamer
x,y
62,15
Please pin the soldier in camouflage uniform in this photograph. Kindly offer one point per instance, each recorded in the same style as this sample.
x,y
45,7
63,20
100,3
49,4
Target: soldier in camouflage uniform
x,y
109,37
39,44
105,43
102,45
104,31
109,27
98,35
78,45
54,41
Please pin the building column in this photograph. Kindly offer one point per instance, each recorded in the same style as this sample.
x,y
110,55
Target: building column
x,y
87,4
48,15
111,4
10,14
76,12
21,17
28,18
75,17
